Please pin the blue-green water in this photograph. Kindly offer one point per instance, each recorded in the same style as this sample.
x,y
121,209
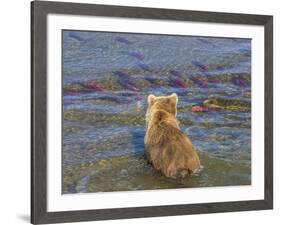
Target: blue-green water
x,y
106,80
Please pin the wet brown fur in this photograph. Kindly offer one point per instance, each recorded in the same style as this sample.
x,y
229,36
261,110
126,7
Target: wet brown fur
x,y
168,149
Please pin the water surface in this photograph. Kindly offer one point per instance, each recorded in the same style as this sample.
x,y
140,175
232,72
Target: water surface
x,y
106,80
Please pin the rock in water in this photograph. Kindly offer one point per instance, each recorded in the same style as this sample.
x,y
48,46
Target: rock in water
x,y
228,104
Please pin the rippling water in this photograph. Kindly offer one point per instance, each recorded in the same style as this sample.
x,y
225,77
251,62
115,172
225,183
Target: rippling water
x,y
106,80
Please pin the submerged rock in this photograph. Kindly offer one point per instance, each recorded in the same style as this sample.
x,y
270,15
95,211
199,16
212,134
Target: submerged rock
x,y
74,88
228,104
92,117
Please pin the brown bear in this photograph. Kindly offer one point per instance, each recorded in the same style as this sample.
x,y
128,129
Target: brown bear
x,y
168,149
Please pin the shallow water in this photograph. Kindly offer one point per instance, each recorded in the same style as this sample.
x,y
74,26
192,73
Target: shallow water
x,y
106,80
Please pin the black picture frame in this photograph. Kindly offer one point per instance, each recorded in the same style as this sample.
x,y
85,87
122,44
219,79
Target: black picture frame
x,y
39,12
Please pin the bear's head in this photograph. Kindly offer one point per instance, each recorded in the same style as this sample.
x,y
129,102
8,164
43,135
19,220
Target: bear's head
x,y
161,103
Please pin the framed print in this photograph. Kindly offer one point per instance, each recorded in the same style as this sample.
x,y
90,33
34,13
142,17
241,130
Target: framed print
x,y
144,112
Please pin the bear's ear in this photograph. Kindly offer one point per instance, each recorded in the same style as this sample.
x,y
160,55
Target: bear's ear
x,y
150,98
174,98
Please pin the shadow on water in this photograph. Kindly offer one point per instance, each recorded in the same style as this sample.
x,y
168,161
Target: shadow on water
x,y
138,141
